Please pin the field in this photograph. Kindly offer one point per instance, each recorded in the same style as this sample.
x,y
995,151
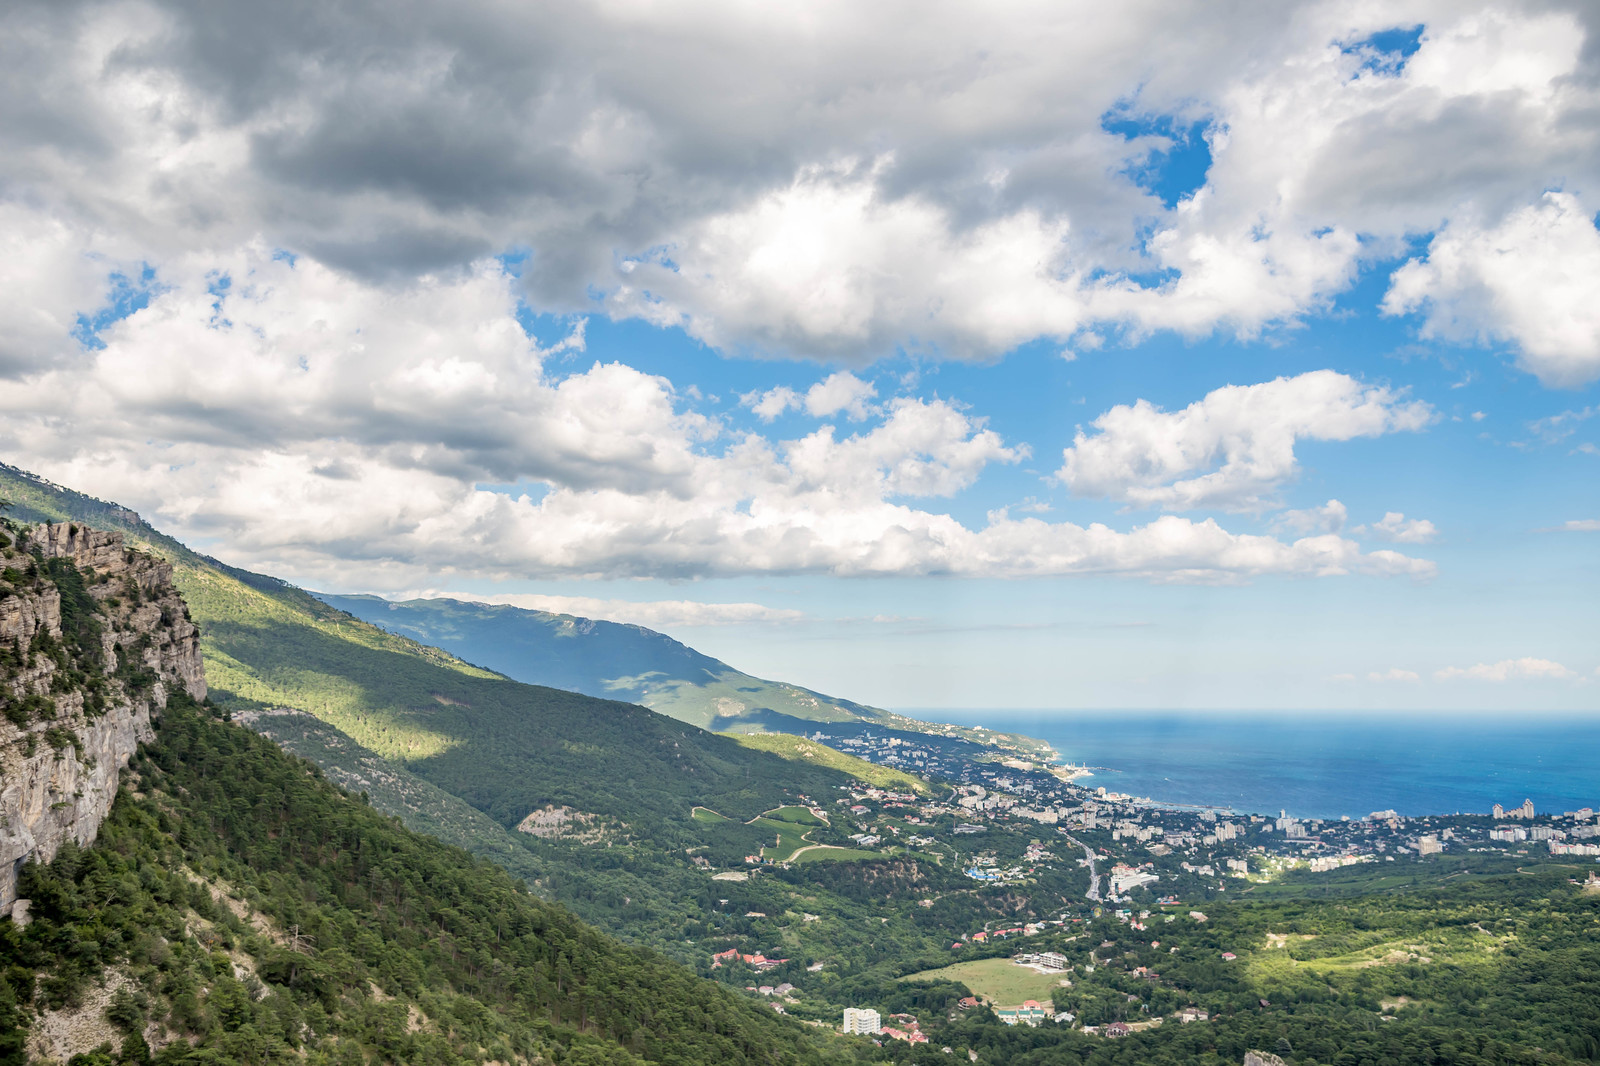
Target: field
x,y
797,815
998,982
832,854
790,827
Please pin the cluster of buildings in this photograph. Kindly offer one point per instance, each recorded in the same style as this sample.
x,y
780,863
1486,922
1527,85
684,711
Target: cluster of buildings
x,y
1125,878
982,936
771,990
1044,961
905,1027
1558,848
757,962
1524,812
1030,1013
1323,863
864,1021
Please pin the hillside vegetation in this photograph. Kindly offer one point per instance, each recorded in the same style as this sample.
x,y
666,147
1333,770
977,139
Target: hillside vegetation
x,y
800,749
505,747
245,910
614,660
467,754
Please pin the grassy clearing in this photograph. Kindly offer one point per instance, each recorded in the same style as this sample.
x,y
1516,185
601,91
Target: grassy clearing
x,y
706,814
1374,878
830,853
790,828
797,815
998,982
789,837
793,839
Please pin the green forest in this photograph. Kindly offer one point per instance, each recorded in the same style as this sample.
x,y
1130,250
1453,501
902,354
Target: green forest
x,y
252,912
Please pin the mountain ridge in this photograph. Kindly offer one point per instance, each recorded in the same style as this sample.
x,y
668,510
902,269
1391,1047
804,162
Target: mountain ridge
x,y
797,709
504,748
645,666
622,660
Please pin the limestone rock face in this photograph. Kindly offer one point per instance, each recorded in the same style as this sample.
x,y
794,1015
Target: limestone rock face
x,y
1262,1058
74,714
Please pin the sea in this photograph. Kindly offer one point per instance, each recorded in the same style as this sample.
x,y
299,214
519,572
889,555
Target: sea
x,y
1321,765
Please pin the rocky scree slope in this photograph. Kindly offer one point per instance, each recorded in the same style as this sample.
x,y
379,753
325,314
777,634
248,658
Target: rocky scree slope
x,y
93,637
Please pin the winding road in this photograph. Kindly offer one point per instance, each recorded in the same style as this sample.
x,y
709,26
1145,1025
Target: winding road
x,y
1094,874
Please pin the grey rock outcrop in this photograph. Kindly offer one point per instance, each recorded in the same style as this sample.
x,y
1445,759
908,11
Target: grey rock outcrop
x,y
1262,1058
71,725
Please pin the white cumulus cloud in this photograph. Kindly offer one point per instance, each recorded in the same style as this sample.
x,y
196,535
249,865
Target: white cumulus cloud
x,y
349,433
1394,673
1234,448
1329,518
838,393
1525,669
778,182
1396,528
1531,280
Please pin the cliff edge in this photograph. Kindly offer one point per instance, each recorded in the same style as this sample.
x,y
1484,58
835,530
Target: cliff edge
x,y
93,637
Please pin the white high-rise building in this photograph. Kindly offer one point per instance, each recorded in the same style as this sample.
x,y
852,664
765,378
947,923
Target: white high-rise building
x,y
1525,811
862,1020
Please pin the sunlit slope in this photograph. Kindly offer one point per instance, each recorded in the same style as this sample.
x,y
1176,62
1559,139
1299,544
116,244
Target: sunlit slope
x,y
618,661
799,749
506,748
606,659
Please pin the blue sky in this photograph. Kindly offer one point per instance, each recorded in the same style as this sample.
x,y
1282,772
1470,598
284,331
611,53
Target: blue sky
x,y
1056,356
1511,583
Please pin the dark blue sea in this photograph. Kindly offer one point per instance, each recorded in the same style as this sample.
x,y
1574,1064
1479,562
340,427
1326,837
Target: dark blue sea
x,y
1321,765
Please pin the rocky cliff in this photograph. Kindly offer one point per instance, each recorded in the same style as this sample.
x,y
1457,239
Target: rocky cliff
x,y
93,637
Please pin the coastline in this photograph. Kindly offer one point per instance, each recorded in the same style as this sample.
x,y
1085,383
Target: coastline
x,y
1324,766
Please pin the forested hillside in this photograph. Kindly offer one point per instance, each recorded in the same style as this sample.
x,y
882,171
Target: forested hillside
x,y
606,659
239,908
629,662
507,748
470,754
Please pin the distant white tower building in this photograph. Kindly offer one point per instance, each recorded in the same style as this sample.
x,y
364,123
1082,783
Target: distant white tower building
x,y
862,1020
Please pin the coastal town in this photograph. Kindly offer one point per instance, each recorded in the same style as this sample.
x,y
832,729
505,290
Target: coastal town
x,y
1080,857
1181,847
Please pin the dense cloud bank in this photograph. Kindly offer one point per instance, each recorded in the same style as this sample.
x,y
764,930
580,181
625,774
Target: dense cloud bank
x,y
254,263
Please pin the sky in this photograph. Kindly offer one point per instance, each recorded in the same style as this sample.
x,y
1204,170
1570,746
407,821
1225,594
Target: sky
x,y
1019,355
